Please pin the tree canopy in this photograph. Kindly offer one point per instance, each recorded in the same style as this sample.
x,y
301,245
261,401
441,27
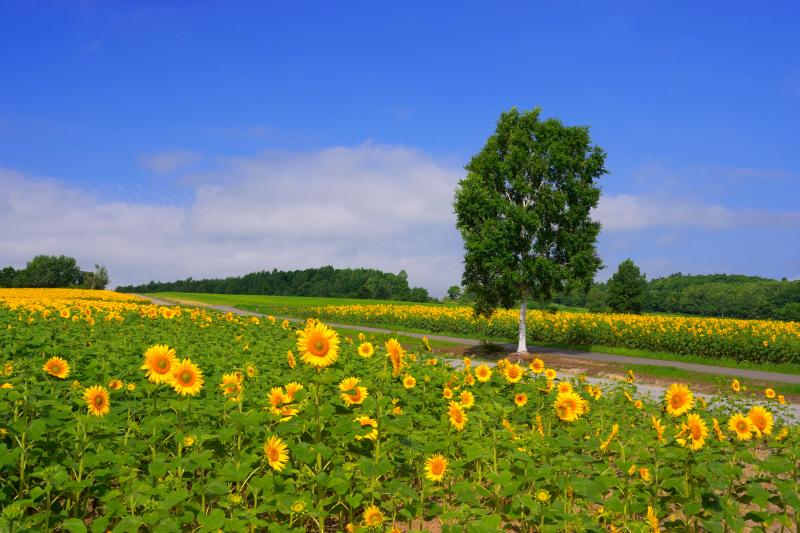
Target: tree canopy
x,y
523,211
46,271
626,288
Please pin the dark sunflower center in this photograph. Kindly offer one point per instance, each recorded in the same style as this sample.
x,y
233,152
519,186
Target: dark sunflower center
x,y
99,401
186,377
319,347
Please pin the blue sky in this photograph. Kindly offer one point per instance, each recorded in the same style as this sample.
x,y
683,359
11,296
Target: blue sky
x,y
169,139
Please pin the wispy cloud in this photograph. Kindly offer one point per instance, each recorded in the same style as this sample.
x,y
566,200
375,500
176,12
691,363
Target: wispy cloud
x,y
374,206
379,206
631,212
168,161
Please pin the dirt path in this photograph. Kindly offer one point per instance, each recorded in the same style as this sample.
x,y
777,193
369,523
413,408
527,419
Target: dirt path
x,y
758,375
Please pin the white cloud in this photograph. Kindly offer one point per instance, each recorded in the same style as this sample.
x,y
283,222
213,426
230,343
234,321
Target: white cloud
x,y
633,212
369,206
168,161
376,206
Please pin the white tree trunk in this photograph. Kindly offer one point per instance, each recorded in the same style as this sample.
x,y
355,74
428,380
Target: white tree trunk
x,y
523,344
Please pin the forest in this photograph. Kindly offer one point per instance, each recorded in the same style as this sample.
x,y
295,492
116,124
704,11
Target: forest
x,y
715,295
325,281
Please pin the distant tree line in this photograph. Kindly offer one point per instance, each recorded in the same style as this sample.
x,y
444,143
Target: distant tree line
x,y
713,295
51,271
324,281
716,295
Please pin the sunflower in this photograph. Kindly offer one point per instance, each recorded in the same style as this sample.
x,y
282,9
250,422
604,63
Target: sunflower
x,y
277,453
696,430
373,516
638,404
97,400
435,467
409,381
230,385
115,384
352,393
276,397
159,361
539,425
290,359
292,389
520,399
513,373
366,421
55,366
735,386
652,520
131,387
366,349
656,423
483,373
318,345
396,353
467,399
536,366
569,406
679,399
564,386
742,426
550,374
781,399
251,371
762,420
447,392
457,416
187,378
606,443
769,393
542,496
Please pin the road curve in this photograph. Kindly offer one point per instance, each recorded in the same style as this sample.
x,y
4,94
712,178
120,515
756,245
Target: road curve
x,y
773,377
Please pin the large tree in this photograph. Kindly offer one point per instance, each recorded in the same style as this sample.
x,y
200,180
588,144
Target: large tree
x,y
524,213
626,288
50,271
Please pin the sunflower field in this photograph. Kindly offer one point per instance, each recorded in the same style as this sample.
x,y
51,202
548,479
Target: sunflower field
x,y
118,415
749,340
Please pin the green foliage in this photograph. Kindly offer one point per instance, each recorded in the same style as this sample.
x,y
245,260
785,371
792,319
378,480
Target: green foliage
x,y
523,211
597,298
97,279
724,295
454,292
719,295
626,289
49,271
325,281
7,276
